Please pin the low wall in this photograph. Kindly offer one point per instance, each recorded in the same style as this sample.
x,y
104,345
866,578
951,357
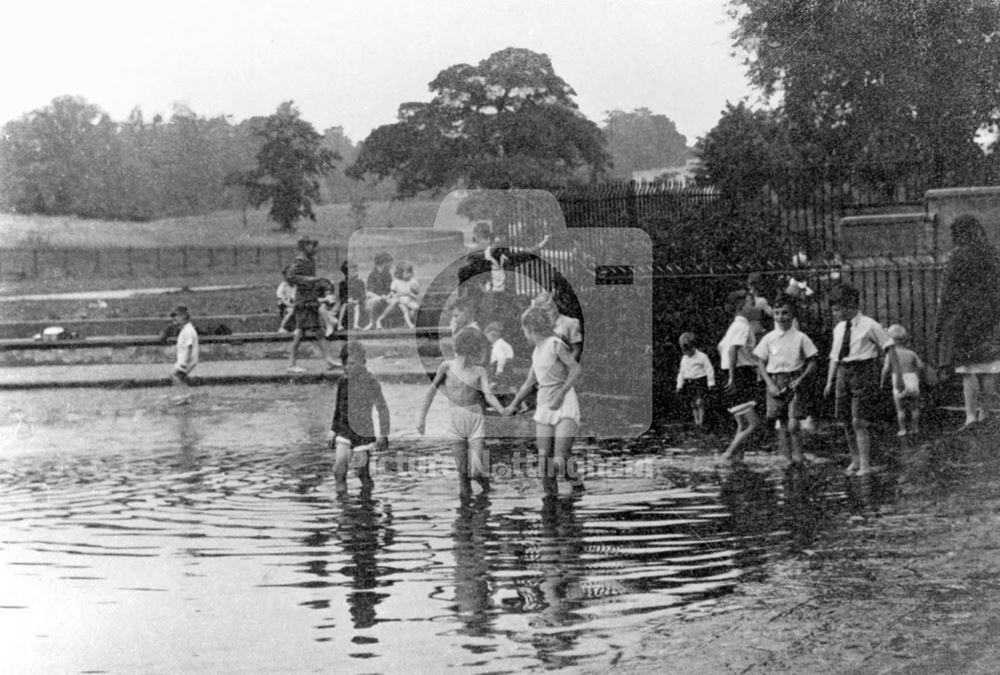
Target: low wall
x,y
888,234
947,204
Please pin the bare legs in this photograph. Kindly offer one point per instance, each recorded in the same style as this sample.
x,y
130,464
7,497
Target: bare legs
x,y
747,423
344,457
555,454
472,462
979,391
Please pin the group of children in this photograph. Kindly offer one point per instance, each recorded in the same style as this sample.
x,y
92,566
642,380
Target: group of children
x,y
468,380
343,305
782,361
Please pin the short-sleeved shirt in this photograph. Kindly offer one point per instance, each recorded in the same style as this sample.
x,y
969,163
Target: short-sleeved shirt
x,y
568,329
501,352
188,337
868,339
695,367
785,351
352,412
740,335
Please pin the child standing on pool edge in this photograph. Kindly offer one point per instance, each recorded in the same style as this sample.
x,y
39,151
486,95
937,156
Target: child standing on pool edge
x,y
352,433
907,397
466,385
557,415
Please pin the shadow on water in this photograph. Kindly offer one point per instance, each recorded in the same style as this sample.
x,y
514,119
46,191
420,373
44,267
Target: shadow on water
x,y
503,581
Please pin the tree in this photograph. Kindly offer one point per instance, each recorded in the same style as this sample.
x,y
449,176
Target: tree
x,y
640,140
863,81
737,154
289,165
46,155
509,121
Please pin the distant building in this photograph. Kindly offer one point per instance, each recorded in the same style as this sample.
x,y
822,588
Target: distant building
x,y
682,176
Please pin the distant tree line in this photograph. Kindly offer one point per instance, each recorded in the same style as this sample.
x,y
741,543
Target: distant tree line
x,y
71,158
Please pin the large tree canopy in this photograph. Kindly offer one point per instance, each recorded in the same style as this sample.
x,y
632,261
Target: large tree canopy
x,y
509,121
867,80
289,165
641,139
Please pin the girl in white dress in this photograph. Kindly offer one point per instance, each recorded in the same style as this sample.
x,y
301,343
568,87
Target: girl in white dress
x,y
557,414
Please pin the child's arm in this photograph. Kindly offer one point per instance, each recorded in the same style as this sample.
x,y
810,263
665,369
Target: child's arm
x,y
439,377
734,351
484,385
830,374
570,362
382,408
709,370
886,367
772,388
680,375
529,383
806,372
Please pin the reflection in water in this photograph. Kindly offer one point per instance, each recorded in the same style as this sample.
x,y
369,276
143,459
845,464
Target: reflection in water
x,y
472,537
560,545
209,519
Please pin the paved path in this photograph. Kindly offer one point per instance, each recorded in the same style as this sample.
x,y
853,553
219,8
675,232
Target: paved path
x,y
133,375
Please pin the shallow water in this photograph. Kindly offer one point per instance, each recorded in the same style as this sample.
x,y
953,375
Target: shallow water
x,y
139,536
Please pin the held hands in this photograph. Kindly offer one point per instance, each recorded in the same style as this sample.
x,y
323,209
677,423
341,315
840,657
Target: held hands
x,y
382,444
828,389
421,427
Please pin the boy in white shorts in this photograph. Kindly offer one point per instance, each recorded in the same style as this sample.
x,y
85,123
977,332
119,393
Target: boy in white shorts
x,y
352,432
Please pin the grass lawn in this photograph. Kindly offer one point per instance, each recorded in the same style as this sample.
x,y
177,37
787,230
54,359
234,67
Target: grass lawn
x,y
223,228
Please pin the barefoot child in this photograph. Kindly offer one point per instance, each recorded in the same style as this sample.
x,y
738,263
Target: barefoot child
x,y
907,397
404,292
786,358
557,415
352,431
466,386
736,359
858,341
187,351
694,377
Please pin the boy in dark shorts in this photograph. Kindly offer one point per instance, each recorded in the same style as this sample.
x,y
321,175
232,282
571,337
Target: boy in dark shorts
x,y
787,358
352,433
858,343
695,377
737,361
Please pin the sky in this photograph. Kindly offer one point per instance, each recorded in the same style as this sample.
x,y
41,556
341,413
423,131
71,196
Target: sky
x,y
351,64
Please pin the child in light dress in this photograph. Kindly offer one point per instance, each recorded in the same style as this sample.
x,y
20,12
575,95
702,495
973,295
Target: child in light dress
x,y
906,398
557,414
463,380
564,327
286,304
403,293
329,306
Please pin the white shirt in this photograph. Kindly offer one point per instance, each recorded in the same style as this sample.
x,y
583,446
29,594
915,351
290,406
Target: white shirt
x,y
785,351
501,353
868,339
568,329
739,334
188,337
695,366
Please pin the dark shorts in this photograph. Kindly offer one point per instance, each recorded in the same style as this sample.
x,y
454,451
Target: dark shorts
x,y
744,392
857,390
789,405
306,317
695,389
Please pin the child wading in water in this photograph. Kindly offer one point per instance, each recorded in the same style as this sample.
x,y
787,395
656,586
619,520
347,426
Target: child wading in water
x,y
787,358
466,385
907,397
557,415
737,361
352,430
694,377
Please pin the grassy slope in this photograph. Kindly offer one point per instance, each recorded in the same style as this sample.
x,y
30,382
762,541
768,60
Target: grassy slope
x,y
225,228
